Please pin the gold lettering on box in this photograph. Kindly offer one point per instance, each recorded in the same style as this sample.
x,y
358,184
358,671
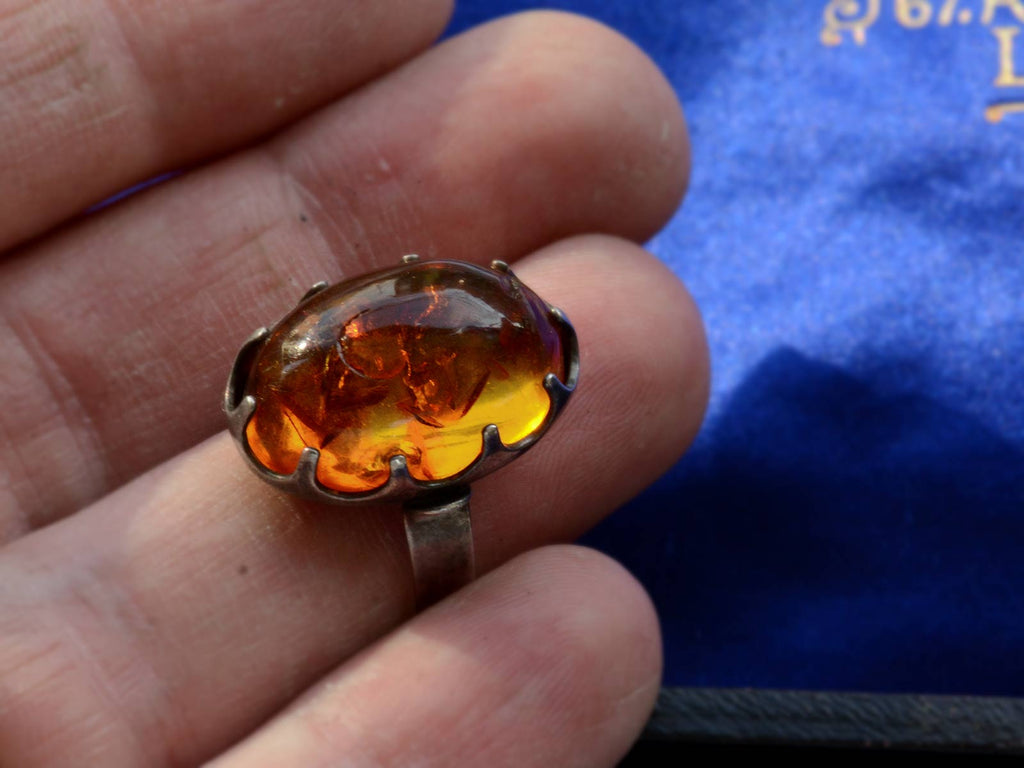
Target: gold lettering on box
x,y
913,14
851,16
1007,76
1016,7
855,17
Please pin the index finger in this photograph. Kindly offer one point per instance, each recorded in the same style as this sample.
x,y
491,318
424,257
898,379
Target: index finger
x,y
96,96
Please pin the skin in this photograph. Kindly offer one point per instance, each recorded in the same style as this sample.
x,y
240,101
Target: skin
x,y
159,605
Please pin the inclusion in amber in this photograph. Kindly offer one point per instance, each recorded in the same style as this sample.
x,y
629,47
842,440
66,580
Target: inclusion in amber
x,y
411,361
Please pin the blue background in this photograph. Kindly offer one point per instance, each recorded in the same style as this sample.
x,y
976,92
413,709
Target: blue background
x,y
852,515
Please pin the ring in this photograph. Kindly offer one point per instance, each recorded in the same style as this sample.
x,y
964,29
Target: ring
x,y
404,385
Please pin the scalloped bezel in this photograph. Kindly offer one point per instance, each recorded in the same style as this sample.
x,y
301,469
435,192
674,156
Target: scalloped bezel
x,y
401,486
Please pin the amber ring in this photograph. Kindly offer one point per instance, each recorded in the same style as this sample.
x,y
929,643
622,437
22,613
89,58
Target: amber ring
x,y
404,385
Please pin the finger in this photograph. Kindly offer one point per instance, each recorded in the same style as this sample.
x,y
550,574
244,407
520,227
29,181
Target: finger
x,y
554,659
97,95
209,600
121,333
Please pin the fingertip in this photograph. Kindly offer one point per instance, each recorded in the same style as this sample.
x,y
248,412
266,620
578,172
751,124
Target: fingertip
x,y
594,106
643,389
581,631
647,315
600,618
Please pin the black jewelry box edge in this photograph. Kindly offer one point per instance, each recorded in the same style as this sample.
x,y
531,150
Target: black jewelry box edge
x,y
709,721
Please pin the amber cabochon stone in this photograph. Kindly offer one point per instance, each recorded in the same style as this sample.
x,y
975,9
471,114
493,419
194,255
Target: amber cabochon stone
x,y
411,361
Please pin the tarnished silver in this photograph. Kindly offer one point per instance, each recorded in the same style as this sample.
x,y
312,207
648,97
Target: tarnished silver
x,y
437,519
440,537
317,288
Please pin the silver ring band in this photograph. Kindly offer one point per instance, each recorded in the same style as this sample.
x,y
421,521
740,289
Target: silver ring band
x,y
286,373
440,536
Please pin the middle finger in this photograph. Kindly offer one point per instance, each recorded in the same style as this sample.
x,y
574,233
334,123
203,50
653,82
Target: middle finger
x,y
512,135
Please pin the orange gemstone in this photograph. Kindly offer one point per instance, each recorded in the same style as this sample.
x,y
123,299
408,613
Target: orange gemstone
x,y
416,361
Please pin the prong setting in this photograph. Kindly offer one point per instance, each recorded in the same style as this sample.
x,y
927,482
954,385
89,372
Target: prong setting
x,y
400,486
571,346
314,290
304,475
239,375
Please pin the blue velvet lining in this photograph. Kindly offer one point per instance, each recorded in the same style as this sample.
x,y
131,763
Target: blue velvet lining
x,y
852,515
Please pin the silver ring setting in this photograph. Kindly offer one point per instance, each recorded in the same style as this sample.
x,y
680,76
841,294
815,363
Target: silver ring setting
x,y
436,510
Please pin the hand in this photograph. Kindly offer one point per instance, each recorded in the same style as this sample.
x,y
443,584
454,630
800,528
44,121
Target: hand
x,y
161,606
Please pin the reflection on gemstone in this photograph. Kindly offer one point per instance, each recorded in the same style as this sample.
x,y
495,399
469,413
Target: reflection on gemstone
x,y
414,360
